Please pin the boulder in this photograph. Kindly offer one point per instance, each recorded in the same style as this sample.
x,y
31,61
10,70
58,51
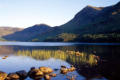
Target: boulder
x,y
46,70
35,74
63,70
3,75
13,76
71,69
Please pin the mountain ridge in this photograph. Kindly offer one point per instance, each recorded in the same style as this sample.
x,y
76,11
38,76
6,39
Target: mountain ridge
x,y
90,20
5,30
27,33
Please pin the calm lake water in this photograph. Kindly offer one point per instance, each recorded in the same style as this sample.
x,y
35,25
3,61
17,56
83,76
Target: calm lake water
x,y
24,55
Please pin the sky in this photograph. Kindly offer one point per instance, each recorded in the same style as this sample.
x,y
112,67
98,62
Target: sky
x,y
26,13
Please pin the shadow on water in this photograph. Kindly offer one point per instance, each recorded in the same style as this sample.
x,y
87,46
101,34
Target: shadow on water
x,y
91,61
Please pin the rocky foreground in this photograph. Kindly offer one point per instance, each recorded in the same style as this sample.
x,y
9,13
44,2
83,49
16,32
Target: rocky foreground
x,y
36,73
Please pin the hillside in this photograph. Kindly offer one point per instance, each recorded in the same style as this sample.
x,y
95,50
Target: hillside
x,y
28,33
8,30
104,21
91,24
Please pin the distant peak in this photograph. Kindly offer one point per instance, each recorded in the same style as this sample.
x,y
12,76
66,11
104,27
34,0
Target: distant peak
x,y
96,8
89,6
42,25
118,3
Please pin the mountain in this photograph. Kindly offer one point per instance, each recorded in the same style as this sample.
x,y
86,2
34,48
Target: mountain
x,y
8,30
28,33
91,23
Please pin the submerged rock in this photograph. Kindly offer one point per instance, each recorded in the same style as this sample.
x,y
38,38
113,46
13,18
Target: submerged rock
x,y
56,69
47,77
22,74
71,77
3,75
53,75
4,57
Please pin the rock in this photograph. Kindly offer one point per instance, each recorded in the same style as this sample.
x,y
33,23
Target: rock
x,y
32,68
39,73
8,78
63,66
56,69
4,58
3,75
22,74
46,70
35,74
63,70
53,75
71,77
13,76
47,77
71,69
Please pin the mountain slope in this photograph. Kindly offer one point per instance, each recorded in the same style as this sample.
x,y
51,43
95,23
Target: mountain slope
x,y
79,20
90,24
8,30
28,33
90,20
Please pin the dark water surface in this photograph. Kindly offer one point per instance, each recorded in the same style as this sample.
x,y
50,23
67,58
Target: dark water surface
x,y
24,55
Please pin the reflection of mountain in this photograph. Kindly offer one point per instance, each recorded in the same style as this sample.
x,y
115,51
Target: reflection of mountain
x,y
109,54
69,56
107,67
4,50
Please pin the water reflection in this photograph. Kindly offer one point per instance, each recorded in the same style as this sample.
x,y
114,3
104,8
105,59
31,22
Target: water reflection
x,y
70,56
83,57
5,50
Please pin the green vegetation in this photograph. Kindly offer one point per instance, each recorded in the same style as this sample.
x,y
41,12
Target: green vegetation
x,y
1,39
113,37
35,40
99,36
67,36
64,37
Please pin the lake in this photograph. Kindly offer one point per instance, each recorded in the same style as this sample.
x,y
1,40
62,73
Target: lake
x,y
93,61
